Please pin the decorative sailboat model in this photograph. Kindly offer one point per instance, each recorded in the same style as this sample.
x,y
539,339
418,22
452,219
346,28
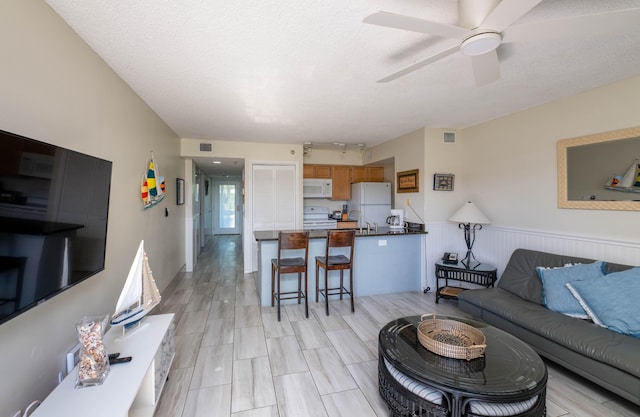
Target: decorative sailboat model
x,y
139,295
629,182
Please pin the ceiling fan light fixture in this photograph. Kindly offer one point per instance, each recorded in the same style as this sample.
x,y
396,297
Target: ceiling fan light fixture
x,y
480,44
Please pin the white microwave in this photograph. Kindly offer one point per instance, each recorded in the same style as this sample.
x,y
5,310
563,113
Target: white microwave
x,y
316,188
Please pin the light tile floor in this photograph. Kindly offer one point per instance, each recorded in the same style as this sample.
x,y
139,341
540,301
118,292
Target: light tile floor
x,y
234,359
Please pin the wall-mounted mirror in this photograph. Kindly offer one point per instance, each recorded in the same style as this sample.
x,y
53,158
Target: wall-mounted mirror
x,y
601,171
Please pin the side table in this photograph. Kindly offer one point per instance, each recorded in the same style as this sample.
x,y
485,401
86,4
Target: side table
x,y
478,273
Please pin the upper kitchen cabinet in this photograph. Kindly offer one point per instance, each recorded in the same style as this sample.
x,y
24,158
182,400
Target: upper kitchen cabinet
x,y
341,182
343,176
367,174
316,171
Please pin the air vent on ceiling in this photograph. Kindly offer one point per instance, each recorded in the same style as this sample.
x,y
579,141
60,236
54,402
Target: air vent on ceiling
x,y
205,147
449,137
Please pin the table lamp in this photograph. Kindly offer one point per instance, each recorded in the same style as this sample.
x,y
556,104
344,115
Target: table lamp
x,y
469,218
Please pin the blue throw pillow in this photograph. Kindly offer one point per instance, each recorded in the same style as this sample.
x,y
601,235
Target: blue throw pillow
x,y
556,296
612,301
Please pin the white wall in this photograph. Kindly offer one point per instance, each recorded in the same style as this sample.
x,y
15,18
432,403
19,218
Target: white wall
x,y
511,163
55,89
408,153
508,167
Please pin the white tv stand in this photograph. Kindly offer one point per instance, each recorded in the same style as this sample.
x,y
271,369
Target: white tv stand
x,y
131,389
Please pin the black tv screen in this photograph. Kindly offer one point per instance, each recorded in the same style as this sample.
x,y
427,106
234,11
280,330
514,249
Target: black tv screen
x,y
54,205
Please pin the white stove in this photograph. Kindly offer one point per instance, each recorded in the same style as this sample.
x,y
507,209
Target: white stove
x,y
317,218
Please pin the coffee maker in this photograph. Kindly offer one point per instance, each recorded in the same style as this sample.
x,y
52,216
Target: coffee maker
x,y
396,220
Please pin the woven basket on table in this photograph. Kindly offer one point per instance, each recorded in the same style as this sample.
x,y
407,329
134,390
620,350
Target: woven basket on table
x,y
451,338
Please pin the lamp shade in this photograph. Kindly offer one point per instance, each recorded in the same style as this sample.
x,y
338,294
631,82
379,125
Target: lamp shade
x,y
469,213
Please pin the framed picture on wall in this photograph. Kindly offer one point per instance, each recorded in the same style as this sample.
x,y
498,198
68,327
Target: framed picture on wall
x,y
408,181
179,191
443,182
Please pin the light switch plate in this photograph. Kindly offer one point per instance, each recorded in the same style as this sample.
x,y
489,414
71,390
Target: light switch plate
x,y
73,356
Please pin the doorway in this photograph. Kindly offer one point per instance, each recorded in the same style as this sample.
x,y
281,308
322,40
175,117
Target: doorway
x,y
227,212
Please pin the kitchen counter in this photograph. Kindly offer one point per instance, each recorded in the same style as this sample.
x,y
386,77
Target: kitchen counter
x,y
322,234
386,261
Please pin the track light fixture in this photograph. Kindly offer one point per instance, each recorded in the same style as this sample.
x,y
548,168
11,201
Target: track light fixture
x,y
343,147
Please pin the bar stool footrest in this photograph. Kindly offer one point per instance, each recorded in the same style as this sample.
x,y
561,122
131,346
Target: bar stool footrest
x,y
291,295
334,291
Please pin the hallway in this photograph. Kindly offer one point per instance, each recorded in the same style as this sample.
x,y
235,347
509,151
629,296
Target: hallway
x,y
234,359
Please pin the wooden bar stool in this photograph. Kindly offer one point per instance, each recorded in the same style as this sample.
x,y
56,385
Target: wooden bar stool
x,y
288,241
336,239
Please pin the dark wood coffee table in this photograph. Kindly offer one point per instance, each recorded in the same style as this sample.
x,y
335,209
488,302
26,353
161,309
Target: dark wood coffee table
x,y
510,375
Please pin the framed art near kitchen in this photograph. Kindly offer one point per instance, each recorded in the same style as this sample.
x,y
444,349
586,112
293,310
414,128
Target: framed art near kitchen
x,y
443,182
179,191
408,181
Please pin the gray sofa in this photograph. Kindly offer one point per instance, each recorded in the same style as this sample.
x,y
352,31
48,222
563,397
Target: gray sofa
x,y
602,356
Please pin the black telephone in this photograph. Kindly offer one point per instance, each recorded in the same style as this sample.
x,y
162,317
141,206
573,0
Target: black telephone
x,y
450,258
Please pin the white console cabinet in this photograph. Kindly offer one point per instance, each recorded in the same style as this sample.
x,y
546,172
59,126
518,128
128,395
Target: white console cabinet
x,y
131,389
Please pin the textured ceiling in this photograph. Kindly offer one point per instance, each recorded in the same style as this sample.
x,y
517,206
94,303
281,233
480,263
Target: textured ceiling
x,y
306,70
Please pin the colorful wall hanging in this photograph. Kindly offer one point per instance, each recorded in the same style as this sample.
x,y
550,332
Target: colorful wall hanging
x,y
153,187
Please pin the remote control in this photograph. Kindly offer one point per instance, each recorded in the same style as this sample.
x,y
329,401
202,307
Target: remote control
x,y
124,359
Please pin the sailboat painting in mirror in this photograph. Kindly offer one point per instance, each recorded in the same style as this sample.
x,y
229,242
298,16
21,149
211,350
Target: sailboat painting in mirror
x,y
139,294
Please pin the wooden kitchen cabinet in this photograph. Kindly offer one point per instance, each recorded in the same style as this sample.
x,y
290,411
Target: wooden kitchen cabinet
x,y
316,171
357,174
340,173
362,174
308,171
341,182
347,225
374,174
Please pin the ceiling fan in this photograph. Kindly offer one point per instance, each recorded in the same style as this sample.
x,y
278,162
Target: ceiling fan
x,y
486,24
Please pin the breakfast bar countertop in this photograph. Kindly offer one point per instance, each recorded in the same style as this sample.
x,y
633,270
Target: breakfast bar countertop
x,y
264,235
385,261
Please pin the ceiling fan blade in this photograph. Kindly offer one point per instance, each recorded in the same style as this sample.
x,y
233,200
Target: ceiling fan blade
x,y
420,64
414,24
587,26
507,12
486,68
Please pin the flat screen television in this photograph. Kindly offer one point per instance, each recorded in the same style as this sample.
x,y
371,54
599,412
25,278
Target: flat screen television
x,y
54,206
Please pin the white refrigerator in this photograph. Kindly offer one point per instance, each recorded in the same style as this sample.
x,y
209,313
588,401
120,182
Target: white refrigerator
x,y
373,199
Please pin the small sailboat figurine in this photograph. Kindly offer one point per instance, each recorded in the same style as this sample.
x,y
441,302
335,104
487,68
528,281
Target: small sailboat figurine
x,y
139,295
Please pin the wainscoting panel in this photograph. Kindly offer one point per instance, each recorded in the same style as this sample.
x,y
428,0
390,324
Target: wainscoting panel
x,y
495,244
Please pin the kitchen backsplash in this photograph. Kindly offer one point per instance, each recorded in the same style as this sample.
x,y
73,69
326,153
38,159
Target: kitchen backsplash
x,y
324,202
